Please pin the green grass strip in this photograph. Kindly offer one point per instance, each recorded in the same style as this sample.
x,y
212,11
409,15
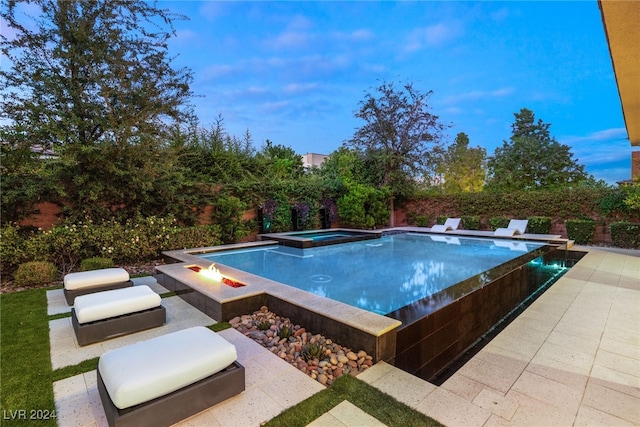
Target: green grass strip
x,y
71,371
374,402
26,394
59,316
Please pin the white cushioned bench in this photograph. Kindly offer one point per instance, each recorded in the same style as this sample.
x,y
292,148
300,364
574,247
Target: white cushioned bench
x,y
86,282
168,378
108,314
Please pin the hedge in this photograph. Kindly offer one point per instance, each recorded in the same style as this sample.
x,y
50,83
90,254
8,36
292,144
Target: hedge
x,y
625,234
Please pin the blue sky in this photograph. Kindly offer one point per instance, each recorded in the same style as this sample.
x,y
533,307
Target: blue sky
x,y
294,72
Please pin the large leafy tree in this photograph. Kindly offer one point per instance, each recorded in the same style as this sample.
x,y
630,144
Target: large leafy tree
x,y
400,137
462,167
93,81
533,159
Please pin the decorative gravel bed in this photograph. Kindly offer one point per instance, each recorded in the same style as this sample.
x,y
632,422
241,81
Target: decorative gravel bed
x,y
313,354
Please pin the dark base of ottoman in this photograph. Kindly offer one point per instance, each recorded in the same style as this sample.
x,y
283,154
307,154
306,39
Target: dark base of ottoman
x,y
100,330
178,405
70,295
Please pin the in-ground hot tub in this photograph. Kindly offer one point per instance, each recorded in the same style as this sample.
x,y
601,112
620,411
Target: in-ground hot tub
x,y
314,238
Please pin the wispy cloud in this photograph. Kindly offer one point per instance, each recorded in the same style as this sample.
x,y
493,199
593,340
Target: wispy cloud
x,y
298,88
432,36
476,95
600,147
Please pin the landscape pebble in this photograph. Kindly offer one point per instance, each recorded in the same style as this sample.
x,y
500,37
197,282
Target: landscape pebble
x,y
315,355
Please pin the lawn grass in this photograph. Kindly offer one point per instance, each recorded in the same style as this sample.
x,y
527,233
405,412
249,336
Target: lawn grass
x,y
26,393
380,405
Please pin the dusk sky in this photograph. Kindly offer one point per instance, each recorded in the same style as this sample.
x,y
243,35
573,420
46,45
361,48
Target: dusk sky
x,y
294,72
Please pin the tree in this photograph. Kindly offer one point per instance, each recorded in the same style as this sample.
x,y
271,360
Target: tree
x,y
280,162
463,167
93,81
532,159
400,137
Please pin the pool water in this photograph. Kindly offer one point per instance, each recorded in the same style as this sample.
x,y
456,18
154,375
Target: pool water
x,y
380,275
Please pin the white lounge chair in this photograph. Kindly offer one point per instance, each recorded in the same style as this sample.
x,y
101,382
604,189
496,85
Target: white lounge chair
x,y
165,379
516,226
108,314
449,224
88,282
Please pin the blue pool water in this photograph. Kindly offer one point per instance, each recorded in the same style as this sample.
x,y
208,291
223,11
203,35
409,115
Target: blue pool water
x,y
380,275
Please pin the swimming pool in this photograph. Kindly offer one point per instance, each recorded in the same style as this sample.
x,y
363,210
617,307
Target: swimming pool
x,y
416,300
385,274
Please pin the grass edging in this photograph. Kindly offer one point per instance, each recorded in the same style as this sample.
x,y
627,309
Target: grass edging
x,y
26,396
374,402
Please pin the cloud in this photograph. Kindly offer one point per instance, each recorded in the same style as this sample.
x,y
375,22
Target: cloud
x,y
476,95
297,88
600,147
296,35
218,71
360,35
275,107
432,36
185,36
290,39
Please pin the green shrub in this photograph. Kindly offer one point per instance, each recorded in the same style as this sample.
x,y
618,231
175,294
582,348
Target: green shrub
x,y
625,234
539,225
194,237
95,263
423,220
581,230
420,220
470,222
11,248
441,219
227,213
613,201
498,222
35,273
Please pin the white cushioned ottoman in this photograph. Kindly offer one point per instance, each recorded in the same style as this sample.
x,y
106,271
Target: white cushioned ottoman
x,y
168,378
108,314
106,304
86,282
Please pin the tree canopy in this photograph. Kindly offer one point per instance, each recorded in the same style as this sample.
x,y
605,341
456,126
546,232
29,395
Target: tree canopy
x,y
462,167
93,81
532,159
400,137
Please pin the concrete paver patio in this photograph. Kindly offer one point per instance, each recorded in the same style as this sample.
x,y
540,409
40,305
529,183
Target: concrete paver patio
x,y
572,358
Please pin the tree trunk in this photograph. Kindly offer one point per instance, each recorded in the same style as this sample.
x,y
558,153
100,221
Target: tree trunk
x,y
392,213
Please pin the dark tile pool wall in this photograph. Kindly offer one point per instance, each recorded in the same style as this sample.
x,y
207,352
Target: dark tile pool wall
x,y
427,346
380,348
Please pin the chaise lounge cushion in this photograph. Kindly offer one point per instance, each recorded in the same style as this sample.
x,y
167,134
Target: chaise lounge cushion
x,y
107,304
94,278
143,371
